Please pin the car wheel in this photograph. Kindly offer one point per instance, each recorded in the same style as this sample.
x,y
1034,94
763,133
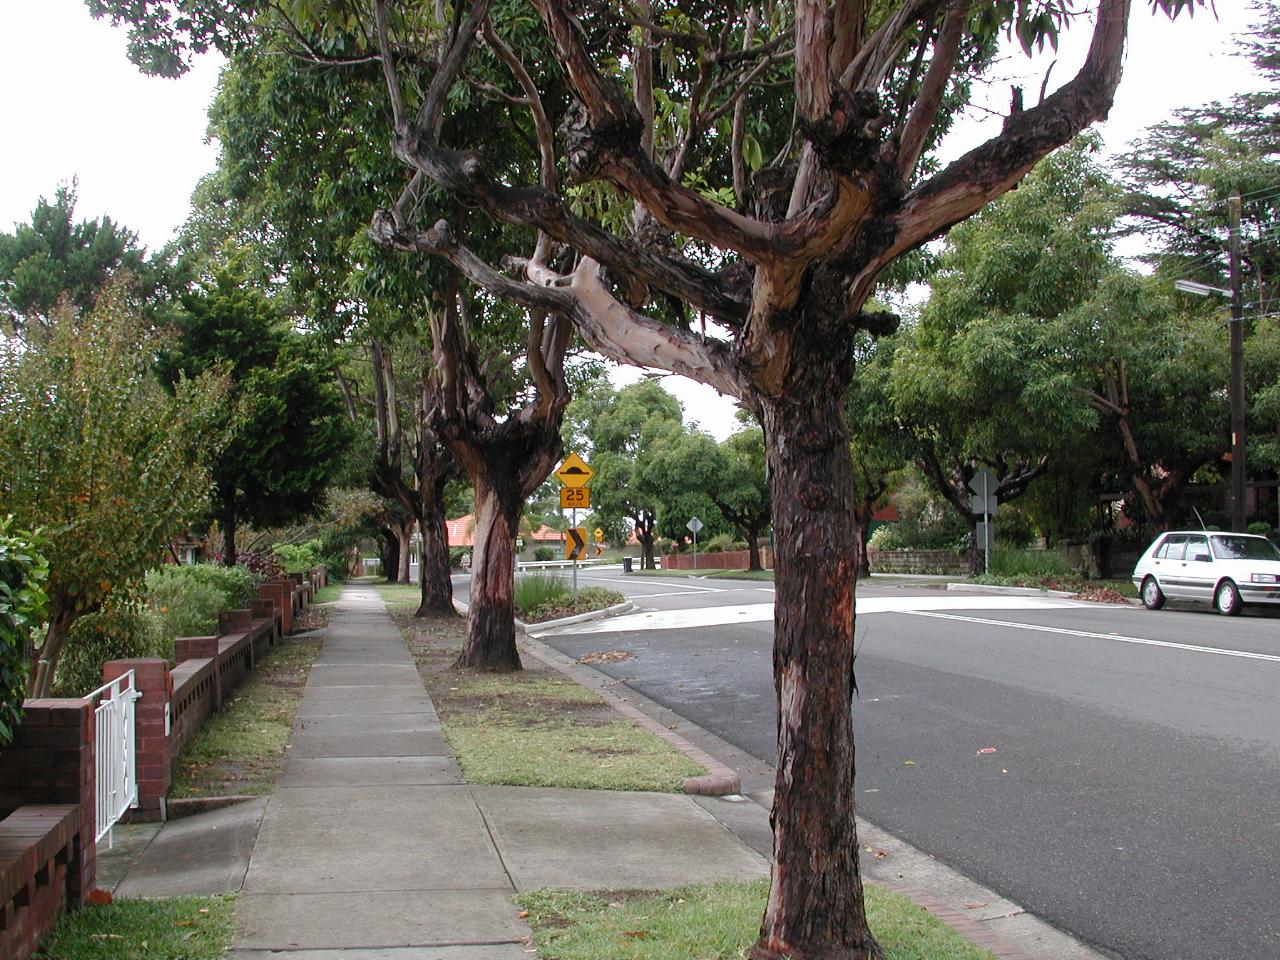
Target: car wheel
x,y
1152,595
1227,599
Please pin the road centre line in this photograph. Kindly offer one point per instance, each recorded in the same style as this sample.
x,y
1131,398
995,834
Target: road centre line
x,y
1169,644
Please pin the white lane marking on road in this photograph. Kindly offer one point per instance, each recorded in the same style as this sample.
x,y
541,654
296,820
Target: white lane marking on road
x,y
682,587
1143,641
760,612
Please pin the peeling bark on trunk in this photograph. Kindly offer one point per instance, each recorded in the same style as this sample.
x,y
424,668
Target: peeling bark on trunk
x,y
491,633
815,907
433,567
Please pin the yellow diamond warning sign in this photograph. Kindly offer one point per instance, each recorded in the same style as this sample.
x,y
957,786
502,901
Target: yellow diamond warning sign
x,y
574,472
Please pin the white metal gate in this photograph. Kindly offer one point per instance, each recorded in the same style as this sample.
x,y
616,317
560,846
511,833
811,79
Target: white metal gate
x,y
117,783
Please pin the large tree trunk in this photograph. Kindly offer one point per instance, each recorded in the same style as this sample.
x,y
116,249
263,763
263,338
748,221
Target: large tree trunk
x,y
753,549
404,534
434,573
491,632
815,907
228,523
390,552
644,534
863,551
46,658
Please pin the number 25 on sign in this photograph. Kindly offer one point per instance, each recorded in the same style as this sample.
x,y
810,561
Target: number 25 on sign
x,y
575,498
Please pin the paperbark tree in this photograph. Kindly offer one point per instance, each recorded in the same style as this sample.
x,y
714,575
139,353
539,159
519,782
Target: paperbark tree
x,y
507,458
785,260
801,255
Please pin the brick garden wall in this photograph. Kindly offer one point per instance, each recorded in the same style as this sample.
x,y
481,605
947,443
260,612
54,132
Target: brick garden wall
x,y
47,774
950,562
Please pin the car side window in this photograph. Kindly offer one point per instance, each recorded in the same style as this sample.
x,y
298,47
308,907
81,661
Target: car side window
x,y
1174,548
1198,549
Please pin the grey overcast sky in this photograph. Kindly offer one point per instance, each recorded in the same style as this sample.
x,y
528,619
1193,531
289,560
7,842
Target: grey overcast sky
x,y
71,105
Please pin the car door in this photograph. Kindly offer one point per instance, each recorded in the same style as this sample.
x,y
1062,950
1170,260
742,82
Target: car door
x,y
1198,568
1169,563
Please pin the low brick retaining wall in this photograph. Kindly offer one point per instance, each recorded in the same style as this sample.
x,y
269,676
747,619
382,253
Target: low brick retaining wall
x,y
48,853
47,850
949,562
176,700
726,560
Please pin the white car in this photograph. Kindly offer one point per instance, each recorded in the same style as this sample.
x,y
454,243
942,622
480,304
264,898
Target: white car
x,y
1227,569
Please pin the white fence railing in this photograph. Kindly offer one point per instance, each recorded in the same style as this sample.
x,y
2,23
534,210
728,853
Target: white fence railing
x,y
117,782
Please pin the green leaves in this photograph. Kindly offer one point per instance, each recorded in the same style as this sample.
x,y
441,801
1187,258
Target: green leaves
x,y
97,455
23,572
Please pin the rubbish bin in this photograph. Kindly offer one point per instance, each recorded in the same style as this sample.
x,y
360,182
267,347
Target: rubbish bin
x,y
626,564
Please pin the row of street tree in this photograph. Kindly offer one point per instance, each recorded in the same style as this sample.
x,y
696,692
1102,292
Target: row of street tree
x,y
457,203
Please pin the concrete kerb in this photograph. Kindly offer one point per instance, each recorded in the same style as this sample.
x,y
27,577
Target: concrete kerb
x,y
1012,591
522,627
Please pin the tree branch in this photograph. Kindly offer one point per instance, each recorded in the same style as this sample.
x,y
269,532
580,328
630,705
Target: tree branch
x,y
984,173
946,51
626,336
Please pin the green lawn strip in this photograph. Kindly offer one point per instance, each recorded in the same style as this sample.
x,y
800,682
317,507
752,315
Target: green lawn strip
x,y
536,727
328,593
176,928
400,598
239,750
533,730
711,922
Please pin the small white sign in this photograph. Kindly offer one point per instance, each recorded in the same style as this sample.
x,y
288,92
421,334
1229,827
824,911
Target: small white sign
x,y
694,525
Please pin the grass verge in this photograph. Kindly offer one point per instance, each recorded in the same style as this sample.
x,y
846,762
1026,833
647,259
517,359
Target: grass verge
x,y
712,922
402,599
177,928
239,750
328,593
535,727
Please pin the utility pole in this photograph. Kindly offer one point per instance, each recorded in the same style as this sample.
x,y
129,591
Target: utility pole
x,y
1238,488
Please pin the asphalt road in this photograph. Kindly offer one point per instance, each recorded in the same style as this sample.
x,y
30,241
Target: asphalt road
x,y
1131,797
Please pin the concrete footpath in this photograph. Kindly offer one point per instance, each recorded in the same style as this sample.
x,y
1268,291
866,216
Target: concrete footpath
x,y
372,848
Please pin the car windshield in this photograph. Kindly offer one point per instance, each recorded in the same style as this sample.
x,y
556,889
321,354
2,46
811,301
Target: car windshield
x,y
1245,548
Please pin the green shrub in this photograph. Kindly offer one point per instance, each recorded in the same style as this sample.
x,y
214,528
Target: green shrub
x,y
719,543
1011,562
22,604
335,567
297,557
662,547
534,590
543,554
885,538
1014,527
456,554
1260,528
122,630
187,599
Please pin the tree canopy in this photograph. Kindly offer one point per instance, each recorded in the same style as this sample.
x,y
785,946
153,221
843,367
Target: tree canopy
x,y
285,422
99,458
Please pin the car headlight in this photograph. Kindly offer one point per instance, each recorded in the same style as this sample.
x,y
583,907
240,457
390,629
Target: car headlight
x,y
1263,578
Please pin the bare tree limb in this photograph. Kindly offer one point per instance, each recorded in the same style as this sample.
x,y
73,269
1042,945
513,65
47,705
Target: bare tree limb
x,y
629,337
946,51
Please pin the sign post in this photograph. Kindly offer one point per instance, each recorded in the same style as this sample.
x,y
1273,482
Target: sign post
x,y
985,502
694,525
575,473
